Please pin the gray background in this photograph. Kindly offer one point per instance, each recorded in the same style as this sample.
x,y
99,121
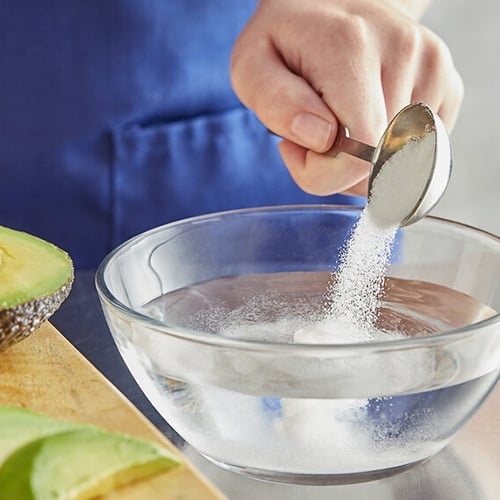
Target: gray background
x,y
472,31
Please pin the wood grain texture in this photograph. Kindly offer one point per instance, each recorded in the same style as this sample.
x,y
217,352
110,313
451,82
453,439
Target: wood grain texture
x,y
46,374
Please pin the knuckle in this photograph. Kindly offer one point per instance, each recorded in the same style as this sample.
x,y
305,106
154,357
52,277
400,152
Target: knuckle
x,y
407,40
436,55
355,32
245,79
262,91
267,98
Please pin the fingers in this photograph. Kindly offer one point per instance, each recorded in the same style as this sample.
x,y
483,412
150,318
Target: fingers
x,y
322,175
291,106
351,86
438,82
428,74
306,67
400,65
342,64
284,101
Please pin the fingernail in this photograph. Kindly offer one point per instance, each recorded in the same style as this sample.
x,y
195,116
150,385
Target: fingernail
x,y
312,131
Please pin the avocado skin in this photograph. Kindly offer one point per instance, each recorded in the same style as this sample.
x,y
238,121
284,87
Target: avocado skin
x,y
20,319
17,322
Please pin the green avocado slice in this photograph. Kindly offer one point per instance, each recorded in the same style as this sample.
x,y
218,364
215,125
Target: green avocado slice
x,y
81,463
35,278
19,426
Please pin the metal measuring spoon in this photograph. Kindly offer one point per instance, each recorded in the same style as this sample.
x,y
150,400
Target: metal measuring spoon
x,y
411,124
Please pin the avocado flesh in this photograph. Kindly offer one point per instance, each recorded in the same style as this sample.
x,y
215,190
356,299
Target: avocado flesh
x,y
19,426
35,278
81,463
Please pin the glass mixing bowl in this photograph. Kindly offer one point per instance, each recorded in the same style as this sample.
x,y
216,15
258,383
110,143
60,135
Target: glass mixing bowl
x,y
204,313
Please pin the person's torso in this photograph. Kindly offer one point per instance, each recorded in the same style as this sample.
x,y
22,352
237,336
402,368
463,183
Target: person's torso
x,y
118,116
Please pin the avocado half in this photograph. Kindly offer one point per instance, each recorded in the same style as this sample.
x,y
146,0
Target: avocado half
x,y
35,279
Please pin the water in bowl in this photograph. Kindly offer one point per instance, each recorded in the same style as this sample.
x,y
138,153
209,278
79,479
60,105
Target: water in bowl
x,y
275,429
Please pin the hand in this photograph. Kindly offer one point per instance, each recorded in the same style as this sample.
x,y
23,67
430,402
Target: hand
x,y
306,66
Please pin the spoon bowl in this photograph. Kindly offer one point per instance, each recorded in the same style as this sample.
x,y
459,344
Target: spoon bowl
x,y
412,123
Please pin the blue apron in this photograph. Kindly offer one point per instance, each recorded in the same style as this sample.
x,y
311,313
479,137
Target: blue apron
x,y
118,116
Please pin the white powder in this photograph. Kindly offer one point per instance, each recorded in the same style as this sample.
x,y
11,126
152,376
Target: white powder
x,y
341,425
355,294
401,182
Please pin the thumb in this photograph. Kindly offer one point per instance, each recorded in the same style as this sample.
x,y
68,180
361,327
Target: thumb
x,y
282,100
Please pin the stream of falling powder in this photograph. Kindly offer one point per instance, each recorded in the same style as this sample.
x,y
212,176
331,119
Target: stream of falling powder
x,y
355,293
342,427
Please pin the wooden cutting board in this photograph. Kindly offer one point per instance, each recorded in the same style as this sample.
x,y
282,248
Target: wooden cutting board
x,y
46,374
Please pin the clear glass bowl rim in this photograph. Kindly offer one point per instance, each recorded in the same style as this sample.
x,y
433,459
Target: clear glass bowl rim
x,y
449,336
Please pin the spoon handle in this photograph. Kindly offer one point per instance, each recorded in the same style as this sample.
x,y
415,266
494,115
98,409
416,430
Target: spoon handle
x,y
344,144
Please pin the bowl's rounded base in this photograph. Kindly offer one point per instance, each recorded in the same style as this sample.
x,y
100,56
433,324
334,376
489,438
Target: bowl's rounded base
x,y
314,479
